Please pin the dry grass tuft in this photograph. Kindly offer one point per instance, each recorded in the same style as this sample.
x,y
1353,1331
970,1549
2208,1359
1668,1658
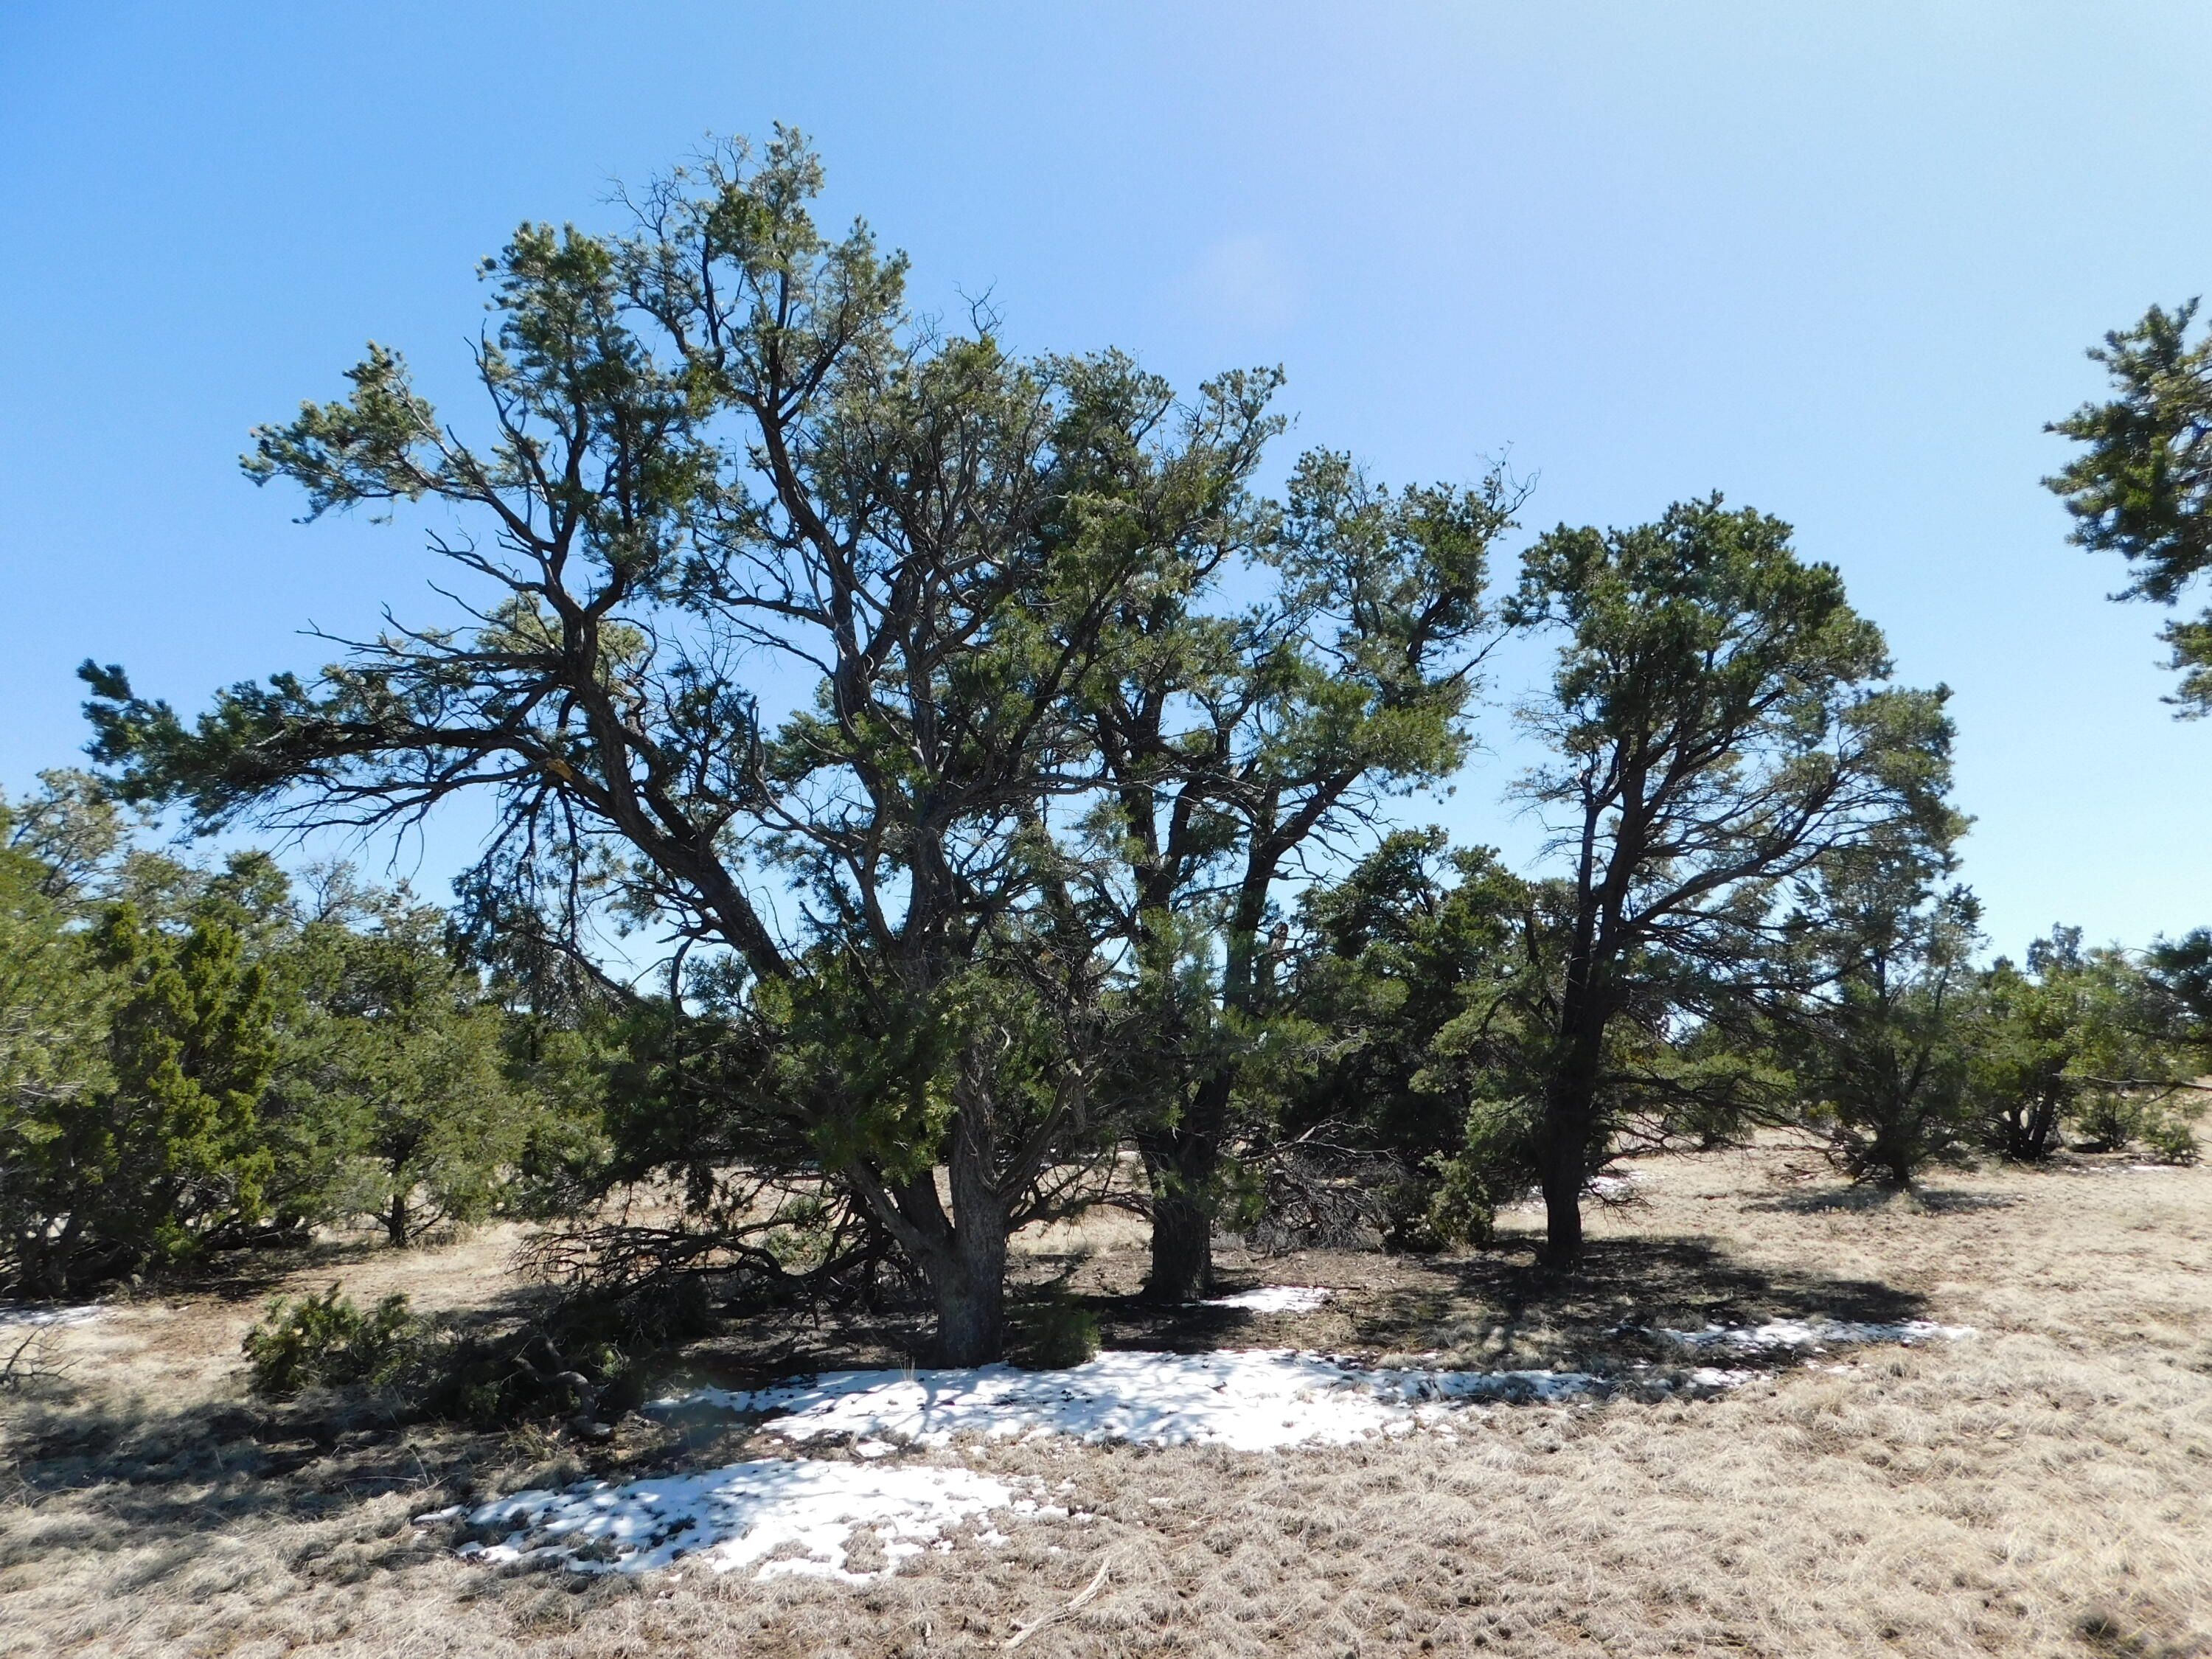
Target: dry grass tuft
x,y
2040,1489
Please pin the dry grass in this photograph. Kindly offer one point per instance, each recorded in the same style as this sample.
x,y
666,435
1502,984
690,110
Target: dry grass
x,y
2041,1490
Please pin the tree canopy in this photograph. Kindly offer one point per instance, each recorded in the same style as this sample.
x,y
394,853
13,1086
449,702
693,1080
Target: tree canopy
x,y
2143,487
1720,725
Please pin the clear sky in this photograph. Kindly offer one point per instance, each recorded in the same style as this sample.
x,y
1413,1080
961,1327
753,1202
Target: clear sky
x,y
1837,262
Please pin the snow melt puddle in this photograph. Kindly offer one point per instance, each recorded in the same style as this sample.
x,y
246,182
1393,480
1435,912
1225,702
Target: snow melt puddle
x,y
1271,1299
786,1515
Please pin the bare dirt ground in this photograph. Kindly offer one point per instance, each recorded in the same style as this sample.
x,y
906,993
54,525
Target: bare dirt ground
x,y
2042,1488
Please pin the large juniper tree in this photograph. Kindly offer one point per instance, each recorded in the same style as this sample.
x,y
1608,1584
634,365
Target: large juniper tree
x,y
795,610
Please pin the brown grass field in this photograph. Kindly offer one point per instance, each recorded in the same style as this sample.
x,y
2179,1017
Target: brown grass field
x,y
2044,1488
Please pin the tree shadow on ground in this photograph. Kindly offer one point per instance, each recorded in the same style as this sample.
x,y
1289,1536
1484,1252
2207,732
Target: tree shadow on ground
x,y
1506,1302
1922,1201
155,1476
252,1274
143,1474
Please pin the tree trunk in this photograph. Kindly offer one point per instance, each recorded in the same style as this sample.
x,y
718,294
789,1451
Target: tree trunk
x,y
1182,1224
1563,1139
396,1221
1561,1157
1563,1217
1181,1160
965,1257
967,1283
2042,1126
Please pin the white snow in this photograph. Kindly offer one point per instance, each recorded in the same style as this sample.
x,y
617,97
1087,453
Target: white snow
x,y
785,1514
1813,1336
1273,1298
1613,1187
20,1318
1251,1399
1247,1399
799,1514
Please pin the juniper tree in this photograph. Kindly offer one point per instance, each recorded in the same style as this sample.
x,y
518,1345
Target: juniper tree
x,y
1879,1035
2143,487
395,1082
1720,723
55,996
1428,989
1235,742
141,1161
792,605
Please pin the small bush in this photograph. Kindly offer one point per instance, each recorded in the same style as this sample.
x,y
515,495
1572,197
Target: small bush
x,y
430,1370
2170,1139
1495,1164
1059,1333
327,1342
2113,1120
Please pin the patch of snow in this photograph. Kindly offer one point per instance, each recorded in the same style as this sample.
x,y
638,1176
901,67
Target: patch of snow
x,y
785,1515
1246,1400
1273,1298
1813,1336
1252,1400
22,1318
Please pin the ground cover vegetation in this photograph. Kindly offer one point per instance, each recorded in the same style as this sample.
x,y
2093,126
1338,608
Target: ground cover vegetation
x,y
944,903
2035,1489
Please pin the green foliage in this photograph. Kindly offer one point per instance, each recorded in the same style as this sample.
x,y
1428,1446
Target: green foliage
x,y
425,1368
1076,700
720,439
2143,488
1234,742
55,994
2027,1044
140,1163
1494,1165
1880,1048
2094,1040
1719,727
1057,1333
327,1342
191,1058
398,1068
2168,1135
1425,973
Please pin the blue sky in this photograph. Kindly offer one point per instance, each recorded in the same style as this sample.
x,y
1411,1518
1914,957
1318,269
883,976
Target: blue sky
x,y
1837,262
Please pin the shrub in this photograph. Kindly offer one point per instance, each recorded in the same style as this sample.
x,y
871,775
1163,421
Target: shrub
x,y
327,1342
1495,1164
2171,1140
430,1370
2112,1120
1060,1334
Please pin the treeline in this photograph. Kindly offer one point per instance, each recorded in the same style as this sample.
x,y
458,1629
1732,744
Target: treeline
x,y
200,1058
196,1058
1074,848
